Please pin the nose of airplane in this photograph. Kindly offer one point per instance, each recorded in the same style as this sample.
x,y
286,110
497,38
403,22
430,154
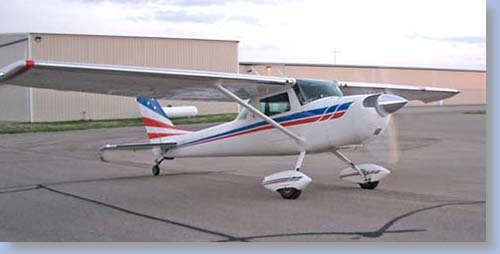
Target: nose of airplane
x,y
389,103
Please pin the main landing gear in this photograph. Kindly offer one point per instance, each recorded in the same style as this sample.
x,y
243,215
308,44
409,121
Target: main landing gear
x,y
289,193
290,183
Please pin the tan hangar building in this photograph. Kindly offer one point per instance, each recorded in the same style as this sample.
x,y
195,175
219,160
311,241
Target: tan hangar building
x,y
41,105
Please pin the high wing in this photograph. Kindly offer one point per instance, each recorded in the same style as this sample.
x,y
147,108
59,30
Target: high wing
x,y
179,84
138,81
424,94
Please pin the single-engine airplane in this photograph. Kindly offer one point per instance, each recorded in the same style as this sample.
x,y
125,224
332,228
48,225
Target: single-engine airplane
x,y
279,115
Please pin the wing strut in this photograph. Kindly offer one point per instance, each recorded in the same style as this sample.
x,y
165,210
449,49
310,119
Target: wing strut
x,y
252,109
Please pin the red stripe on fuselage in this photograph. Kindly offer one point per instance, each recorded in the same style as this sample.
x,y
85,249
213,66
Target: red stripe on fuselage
x,y
338,114
301,121
326,117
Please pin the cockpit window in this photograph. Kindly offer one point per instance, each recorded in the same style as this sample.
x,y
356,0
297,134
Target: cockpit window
x,y
311,90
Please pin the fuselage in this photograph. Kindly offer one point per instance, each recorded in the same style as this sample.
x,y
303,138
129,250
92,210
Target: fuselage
x,y
324,124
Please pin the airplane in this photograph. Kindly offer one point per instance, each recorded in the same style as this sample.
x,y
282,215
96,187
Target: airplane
x,y
278,116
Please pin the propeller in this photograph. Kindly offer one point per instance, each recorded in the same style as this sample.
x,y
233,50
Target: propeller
x,y
385,146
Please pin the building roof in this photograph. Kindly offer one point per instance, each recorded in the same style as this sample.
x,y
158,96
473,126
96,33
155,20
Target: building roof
x,y
357,66
132,36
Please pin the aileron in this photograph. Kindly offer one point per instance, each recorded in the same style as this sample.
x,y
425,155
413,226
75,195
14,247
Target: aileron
x,y
424,94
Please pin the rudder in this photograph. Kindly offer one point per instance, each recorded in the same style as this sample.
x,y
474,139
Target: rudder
x,y
158,125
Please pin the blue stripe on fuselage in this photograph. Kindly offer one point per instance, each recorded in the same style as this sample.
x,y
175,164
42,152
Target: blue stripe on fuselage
x,y
294,116
345,106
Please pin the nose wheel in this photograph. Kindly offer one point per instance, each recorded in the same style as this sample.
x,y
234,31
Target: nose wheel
x,y
369,185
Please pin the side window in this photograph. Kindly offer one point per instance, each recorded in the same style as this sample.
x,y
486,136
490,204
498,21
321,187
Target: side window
x,y
275,104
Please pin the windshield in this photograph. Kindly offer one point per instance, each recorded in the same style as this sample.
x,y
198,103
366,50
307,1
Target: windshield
x,y
311,90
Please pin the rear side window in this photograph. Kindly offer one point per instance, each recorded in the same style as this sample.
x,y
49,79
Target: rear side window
x,y
275,104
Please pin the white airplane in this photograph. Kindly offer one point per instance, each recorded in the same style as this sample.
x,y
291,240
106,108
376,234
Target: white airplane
x,y
279,116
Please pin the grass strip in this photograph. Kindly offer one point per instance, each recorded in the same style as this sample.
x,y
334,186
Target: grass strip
x,y
11,128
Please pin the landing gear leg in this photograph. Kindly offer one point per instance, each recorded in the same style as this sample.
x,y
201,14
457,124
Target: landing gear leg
x,y
367,183
300,160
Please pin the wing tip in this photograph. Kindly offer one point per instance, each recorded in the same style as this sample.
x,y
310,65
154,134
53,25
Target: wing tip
x,y
15,69
29,63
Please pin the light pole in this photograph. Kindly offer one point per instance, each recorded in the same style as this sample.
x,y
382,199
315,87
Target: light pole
x,y
335,51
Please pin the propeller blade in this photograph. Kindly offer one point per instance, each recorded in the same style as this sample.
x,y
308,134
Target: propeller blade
x,y
392,130
385,147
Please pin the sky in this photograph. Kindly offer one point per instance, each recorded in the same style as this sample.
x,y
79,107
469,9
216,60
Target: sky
x,y
411,33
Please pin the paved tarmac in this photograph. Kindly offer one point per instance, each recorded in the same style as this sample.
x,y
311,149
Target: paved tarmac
x,y
53,187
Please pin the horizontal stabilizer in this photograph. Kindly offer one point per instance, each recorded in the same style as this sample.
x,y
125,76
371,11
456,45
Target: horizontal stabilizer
x,y
142,146
133,148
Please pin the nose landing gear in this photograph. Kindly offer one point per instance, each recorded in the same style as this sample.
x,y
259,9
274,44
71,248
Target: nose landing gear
x,y
369,185
367,176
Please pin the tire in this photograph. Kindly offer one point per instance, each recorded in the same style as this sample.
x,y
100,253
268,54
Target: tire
x,y
156,170
289,193
369,185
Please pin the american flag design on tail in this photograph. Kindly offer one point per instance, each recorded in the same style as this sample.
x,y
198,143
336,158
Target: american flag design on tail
x,y
158,125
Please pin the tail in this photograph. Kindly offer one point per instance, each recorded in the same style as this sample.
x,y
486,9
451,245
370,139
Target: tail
x,y
158,125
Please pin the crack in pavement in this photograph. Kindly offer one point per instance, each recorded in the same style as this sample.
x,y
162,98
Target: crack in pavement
x,y
368,234
103,179
20,188
146,216
384,229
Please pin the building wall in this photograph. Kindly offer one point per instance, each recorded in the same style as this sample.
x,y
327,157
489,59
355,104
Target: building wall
x,y
472,84
40,105
14,100
50,105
